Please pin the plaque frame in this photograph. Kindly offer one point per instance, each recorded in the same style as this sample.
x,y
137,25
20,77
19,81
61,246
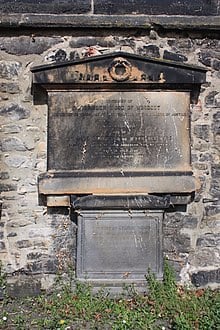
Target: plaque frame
x,y
89,221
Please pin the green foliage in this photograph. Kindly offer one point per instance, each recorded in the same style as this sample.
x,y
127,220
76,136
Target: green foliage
x,y
166,306
182,307
2,277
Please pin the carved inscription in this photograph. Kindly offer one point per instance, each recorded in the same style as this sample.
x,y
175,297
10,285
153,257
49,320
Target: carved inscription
x,y
118,130
114,244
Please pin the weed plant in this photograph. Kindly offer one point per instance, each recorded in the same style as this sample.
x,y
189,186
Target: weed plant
x,y
165,306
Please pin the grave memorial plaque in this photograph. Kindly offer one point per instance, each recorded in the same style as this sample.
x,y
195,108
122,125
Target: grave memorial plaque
x,y
118,123
119,131
119,154
118,245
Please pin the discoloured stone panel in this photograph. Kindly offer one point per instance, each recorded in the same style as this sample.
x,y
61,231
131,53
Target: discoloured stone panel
x,y
124,131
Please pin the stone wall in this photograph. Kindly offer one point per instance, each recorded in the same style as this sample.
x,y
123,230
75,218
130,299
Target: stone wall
x,y
113,7
41,242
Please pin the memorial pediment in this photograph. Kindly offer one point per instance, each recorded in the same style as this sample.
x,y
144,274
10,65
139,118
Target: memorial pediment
x,y
118,67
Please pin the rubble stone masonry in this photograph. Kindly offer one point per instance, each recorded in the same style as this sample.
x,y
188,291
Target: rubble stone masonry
x,y
35,242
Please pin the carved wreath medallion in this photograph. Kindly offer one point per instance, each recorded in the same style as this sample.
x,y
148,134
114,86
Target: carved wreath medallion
x,y
120,69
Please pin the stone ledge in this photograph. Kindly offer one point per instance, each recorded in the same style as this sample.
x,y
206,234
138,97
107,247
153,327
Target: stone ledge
x,y
113,21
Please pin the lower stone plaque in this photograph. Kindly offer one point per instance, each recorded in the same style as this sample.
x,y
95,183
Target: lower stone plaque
x,y
119,246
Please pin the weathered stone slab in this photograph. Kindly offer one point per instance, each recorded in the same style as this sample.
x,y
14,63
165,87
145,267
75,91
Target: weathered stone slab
x,y
119,131
74,182
45,6
156,7
25,45
119,246
123,202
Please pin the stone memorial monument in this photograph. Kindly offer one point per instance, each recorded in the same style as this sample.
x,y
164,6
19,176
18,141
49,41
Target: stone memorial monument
x,y
118,155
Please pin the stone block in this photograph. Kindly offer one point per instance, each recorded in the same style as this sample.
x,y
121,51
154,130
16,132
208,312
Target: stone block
x,y
46,6
205,257
41,263
12,144
205,58
34,267
2,293
88,41
215,187
4,175
210,99
206,43
205,157
201,146
2,245
17,161
9,69
216,64
51,266
202,278
179,220
215,168
16,223
212,210
11,88
202,132
34,255
7,187
150,50
178,243
209,240
12,234
201,166
216,142
180,43
24,45
194,158
155,7
14,111
174,56
23,244
216,123
217,100
23,286
11,128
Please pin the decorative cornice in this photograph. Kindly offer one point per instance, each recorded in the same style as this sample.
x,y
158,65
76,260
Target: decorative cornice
x,y
145,22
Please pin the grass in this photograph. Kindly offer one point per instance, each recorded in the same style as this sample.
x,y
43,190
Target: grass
x,y
166,306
